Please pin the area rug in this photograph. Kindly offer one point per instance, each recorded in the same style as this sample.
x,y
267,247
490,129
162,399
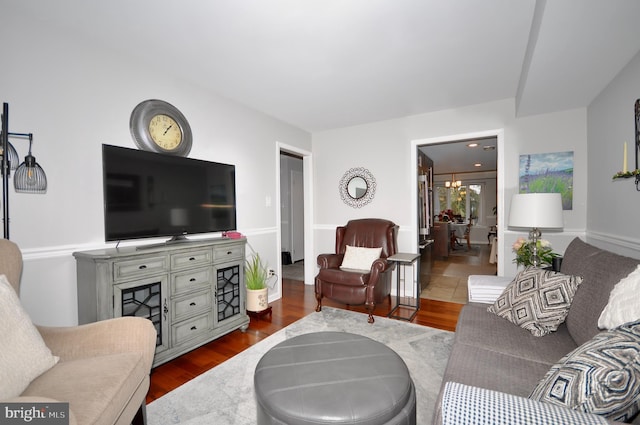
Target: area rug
x,y
224,395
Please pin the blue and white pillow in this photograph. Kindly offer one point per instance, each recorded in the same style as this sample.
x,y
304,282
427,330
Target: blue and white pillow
x,y
602,376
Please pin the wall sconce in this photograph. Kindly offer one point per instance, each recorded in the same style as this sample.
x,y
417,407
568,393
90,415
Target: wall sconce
x,y
453,183
29,176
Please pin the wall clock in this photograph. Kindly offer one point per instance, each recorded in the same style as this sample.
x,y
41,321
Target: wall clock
x,y
158,126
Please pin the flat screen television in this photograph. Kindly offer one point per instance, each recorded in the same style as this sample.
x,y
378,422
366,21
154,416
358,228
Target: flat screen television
x,y
156,195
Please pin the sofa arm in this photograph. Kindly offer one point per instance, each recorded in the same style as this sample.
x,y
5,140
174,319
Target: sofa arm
x,y
118,335
486,288
464,404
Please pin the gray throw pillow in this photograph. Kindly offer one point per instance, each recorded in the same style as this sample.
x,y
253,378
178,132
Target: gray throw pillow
x,y
537,300
602,376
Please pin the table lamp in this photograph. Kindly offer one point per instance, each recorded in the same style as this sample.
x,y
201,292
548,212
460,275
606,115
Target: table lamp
x,y
536,211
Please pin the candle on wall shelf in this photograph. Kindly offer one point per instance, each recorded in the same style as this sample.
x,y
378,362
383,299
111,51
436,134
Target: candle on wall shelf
x,y
624,163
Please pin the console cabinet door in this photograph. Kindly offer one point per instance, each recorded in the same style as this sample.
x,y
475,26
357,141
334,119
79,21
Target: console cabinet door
x,y
145,298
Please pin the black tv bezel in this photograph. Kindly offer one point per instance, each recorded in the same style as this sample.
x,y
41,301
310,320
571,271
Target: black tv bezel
x,y
174,237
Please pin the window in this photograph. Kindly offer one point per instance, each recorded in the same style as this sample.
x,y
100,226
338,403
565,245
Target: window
x,y
465,201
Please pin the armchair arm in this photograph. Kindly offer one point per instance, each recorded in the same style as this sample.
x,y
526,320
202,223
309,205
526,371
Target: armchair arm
x,y
327,261
118,335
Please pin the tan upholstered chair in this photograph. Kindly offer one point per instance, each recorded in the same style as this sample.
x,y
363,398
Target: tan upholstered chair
x,y
103,371
357,287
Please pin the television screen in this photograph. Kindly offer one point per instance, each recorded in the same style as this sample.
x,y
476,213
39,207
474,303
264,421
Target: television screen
x,y
152,195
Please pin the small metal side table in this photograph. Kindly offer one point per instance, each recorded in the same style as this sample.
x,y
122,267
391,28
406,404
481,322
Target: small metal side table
x,y
404,308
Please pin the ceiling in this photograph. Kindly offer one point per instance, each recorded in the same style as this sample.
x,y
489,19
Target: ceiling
x,y
326,64
461,157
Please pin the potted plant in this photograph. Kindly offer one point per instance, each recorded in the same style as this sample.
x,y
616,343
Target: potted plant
x,y
523,248
255,276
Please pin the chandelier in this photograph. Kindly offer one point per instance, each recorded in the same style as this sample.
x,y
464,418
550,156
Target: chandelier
x,y
453,183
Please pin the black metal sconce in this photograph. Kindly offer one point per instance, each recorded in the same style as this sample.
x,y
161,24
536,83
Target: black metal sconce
x,y
28,177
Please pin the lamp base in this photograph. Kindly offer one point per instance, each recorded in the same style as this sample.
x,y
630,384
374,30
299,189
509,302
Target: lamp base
x,y
534,236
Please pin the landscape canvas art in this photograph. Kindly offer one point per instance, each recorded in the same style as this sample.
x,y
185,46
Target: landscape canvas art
x,y
548,173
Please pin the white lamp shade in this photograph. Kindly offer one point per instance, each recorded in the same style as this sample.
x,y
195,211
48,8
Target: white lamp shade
x,y
539,210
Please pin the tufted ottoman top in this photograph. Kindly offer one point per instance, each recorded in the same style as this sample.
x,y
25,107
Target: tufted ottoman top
x,y
333,378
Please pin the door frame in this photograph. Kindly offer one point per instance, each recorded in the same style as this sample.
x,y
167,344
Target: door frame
x,y
499,135
307,173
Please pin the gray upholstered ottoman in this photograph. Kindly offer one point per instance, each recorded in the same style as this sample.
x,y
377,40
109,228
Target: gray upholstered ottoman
x,y
333,378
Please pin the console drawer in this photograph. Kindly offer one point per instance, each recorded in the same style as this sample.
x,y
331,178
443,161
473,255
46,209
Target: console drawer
x,y
191,280
191,328
140,267
227,253
191,305
191,259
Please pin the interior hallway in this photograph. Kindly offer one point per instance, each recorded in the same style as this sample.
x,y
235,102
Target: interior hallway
x,y
449,275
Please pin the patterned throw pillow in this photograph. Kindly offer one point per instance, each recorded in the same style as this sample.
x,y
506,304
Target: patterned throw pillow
x,y
602,376
537,300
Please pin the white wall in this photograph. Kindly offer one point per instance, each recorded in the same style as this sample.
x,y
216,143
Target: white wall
x,y
385,149
74,96
613,205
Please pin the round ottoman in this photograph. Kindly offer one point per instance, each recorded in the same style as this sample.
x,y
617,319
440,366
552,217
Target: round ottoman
x,y
333,378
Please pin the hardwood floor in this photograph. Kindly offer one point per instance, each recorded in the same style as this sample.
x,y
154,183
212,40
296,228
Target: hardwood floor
x,y
297,301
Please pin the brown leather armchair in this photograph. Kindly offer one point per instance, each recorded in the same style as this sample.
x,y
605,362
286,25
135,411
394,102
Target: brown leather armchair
x,y
354,287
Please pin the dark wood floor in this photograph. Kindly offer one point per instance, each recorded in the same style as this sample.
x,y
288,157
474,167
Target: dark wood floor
x,y
297,301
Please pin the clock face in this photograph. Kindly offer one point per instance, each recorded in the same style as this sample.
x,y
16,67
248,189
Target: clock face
x,y
165,132
158,126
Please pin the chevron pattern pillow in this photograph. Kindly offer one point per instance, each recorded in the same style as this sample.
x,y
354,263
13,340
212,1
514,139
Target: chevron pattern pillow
x,y
537,300
602,376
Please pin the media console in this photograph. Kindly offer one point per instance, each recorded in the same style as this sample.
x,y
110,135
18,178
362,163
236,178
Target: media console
x,y
192,292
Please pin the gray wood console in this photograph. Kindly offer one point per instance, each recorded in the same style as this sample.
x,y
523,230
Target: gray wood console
x,y
193,292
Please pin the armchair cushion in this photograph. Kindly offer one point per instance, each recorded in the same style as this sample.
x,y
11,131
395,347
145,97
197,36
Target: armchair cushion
x,y
360,258
23,354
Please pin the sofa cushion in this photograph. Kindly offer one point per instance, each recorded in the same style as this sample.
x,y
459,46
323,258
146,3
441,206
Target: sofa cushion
x,y
480,328
624,305
601,376
601,270
493,370
360,258
96,388
23,353
537,300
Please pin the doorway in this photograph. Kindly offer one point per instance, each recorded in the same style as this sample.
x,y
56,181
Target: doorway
x,y
477,200
294,215
292,209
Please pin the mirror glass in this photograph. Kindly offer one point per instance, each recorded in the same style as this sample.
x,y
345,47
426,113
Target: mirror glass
x,y
357,187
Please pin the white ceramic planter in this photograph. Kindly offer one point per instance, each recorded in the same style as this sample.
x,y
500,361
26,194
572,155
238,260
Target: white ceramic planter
x,y
257,299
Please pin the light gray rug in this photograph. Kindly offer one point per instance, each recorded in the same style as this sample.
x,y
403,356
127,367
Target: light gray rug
x,y
224,395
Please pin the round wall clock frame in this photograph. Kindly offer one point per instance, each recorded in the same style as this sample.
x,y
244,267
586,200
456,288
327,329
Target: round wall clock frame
x,y
158,126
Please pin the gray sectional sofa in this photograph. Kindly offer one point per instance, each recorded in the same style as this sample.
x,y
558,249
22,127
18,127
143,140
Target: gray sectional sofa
x,y
492,353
